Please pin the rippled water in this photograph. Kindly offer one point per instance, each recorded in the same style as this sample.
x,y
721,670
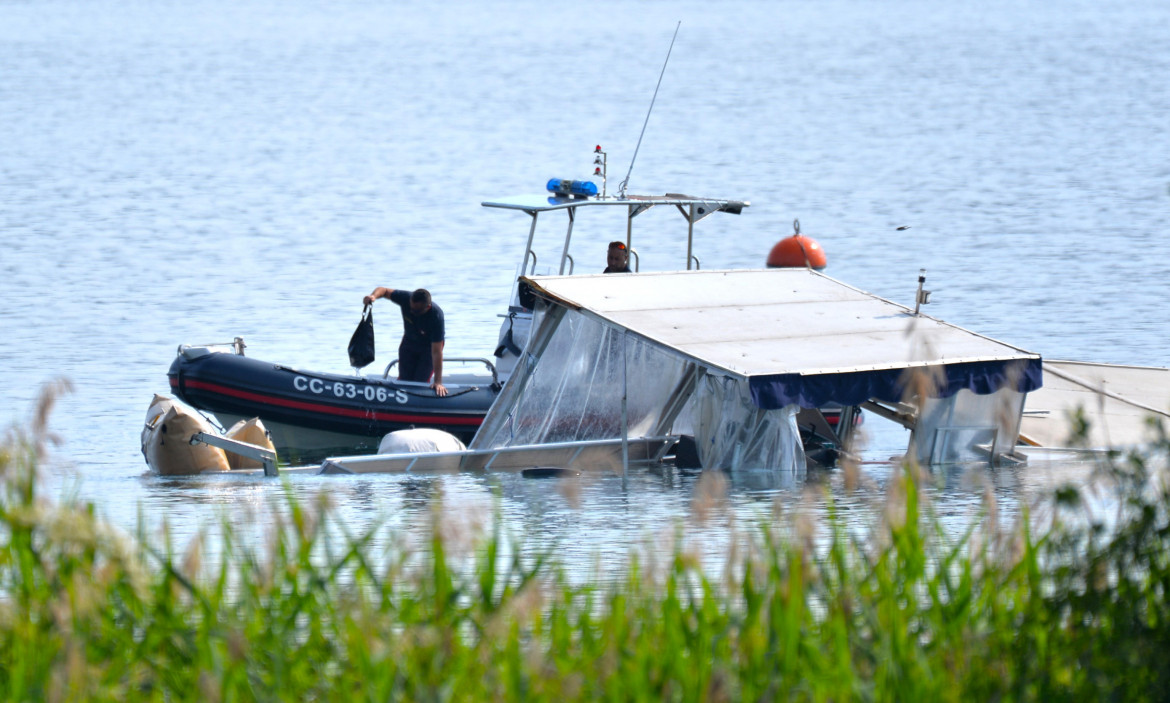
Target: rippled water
x,y
191,172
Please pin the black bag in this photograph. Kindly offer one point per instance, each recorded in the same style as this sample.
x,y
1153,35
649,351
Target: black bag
x,y
361,344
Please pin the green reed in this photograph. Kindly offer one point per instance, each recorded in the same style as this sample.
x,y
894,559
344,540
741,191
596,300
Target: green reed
x,y
1077,612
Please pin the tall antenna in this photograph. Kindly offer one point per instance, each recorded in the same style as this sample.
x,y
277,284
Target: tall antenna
x,y
626,181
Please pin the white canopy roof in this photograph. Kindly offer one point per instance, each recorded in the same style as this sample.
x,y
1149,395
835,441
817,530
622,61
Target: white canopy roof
x,y
772,321
790,326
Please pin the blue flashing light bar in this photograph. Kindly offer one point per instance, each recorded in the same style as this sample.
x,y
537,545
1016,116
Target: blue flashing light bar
x,y
576,189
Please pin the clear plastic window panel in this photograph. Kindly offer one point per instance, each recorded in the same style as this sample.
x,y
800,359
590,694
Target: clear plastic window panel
x,y
732,433
966,427
574,390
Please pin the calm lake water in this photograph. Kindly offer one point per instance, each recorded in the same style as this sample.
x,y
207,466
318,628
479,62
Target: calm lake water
x,y
192,172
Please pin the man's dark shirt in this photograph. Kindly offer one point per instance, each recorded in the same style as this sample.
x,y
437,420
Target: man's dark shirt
x,y
625,269
419,331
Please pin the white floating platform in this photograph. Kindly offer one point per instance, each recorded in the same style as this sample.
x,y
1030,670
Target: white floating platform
x,y
1116,400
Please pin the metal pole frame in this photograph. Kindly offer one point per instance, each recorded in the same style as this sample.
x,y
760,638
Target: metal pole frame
x,y
625,418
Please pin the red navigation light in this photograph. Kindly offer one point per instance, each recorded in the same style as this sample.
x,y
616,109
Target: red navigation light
x,y
597,172
597,149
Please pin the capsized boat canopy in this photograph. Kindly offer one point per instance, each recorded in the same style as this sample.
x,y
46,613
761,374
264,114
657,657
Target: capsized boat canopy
x,y
731,357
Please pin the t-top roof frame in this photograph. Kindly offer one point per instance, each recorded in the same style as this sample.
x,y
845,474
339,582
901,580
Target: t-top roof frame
x,y
692,209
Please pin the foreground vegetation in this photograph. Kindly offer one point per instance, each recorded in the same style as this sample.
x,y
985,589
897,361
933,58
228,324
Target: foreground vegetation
x,y
1077,613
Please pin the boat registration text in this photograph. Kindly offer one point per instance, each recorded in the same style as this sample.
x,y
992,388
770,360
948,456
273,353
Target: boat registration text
x,y
350,391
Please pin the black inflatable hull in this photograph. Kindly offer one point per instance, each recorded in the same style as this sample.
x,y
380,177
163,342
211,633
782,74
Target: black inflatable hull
x,y
312,415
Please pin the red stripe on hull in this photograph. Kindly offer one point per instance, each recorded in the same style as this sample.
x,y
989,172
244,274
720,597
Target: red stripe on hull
x,y
329,409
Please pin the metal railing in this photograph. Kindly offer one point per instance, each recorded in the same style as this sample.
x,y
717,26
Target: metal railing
x,y
461,359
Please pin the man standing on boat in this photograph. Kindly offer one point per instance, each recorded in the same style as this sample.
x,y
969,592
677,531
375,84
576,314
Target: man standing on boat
x,y
420,355
617,259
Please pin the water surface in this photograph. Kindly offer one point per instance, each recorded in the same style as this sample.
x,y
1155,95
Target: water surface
x,y
191,172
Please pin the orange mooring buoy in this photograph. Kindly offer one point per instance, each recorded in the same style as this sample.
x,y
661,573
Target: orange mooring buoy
x,y
797,251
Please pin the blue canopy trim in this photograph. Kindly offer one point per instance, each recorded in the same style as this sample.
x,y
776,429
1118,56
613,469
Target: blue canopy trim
x,y
981,377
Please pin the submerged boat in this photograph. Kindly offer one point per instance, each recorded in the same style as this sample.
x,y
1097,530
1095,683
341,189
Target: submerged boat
x,y
621,372
736,370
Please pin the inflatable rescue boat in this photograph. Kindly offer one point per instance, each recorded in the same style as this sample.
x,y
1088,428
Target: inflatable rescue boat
x,y
311,415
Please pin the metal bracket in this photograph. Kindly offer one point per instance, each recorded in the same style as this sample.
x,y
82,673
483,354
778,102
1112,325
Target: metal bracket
x,y
264,456
638,209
